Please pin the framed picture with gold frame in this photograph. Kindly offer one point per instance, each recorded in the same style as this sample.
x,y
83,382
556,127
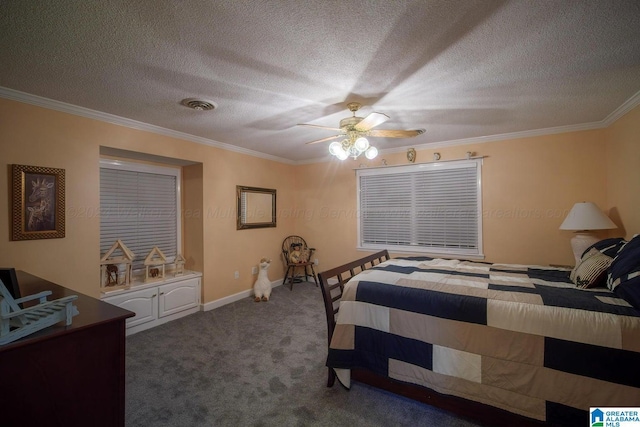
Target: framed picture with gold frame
x,y
37,202
256,207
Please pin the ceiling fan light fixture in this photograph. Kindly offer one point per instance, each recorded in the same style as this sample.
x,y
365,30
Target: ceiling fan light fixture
x,y
354,152
371,153
352,147
355,130
335,147
361,144
342,155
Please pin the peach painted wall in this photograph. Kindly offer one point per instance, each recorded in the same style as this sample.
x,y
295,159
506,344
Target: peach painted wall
x,y
41,137
326,207
529,185
37,136
192,218
623,174
228,249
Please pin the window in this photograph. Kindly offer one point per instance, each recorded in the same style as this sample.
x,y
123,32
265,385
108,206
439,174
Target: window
x,y
434,207
140,205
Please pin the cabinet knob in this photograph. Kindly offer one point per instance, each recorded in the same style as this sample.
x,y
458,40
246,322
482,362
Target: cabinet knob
x,y
161,293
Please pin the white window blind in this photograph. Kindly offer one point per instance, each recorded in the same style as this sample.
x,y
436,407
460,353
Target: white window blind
x,y
139,205
433,207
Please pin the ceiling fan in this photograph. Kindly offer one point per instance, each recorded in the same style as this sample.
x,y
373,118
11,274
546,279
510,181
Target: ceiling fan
x,y
355,129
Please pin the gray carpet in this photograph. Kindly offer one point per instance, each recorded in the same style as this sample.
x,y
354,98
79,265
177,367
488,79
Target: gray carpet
x,y
254,364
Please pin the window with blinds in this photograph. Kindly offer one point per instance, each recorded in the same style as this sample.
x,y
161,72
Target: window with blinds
x,y
433,208
139,204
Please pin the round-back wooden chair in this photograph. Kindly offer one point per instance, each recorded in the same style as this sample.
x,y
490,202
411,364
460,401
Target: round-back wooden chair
x,y
297,255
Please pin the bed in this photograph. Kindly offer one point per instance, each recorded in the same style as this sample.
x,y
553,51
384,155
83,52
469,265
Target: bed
x,y
504,344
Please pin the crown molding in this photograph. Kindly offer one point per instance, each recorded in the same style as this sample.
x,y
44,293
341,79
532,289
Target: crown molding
x,y
502,137
627,106
64,107
483,139
39,101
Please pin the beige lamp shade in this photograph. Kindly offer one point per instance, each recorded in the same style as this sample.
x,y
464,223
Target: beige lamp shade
x,y
582,218
586,216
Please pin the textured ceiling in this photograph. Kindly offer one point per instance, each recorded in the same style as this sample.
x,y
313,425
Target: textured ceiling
x,y
459,69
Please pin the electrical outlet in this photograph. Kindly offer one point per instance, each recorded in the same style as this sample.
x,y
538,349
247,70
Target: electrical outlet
x,y
316,262
236,275
254,270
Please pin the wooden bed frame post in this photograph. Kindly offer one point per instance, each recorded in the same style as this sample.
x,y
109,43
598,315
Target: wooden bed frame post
x,y
332,284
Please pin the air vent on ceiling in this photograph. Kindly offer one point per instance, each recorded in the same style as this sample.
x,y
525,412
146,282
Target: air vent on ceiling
x,y
198,104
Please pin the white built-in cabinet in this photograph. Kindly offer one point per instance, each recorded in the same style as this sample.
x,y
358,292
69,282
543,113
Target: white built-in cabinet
x,y
158,302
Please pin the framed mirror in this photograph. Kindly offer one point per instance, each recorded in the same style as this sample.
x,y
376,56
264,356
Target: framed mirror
x,y
256,207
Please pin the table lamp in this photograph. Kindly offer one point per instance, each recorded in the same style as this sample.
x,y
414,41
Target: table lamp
x,y
583,218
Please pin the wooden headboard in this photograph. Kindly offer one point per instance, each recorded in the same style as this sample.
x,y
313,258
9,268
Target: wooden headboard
x,y
332,284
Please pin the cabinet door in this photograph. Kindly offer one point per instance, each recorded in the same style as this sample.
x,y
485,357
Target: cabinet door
x,y
144,303
179,296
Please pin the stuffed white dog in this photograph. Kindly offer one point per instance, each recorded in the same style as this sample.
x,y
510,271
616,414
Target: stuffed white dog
x,y
262,287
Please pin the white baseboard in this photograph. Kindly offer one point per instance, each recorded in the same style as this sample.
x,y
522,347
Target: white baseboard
x,y
211,305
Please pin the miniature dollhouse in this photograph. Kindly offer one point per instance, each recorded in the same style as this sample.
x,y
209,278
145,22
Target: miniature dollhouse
x,y
154,265
115,267
179,262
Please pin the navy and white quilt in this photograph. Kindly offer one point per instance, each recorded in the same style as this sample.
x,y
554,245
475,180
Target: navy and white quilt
x,y
521,338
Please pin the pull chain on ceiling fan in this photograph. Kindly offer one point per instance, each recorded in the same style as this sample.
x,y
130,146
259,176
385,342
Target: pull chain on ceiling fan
x,y
355,129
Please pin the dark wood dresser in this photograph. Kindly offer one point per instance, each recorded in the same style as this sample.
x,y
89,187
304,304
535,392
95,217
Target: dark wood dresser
x,y
66,375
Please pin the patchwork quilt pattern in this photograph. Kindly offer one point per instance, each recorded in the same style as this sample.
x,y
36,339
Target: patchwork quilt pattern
x,y
520,338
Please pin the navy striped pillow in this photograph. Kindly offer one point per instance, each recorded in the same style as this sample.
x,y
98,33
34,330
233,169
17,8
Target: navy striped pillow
x,y
592,270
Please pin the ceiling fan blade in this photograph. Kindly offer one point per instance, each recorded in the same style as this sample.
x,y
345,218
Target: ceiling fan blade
x,y
324,139
318,126
371,121
390,133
